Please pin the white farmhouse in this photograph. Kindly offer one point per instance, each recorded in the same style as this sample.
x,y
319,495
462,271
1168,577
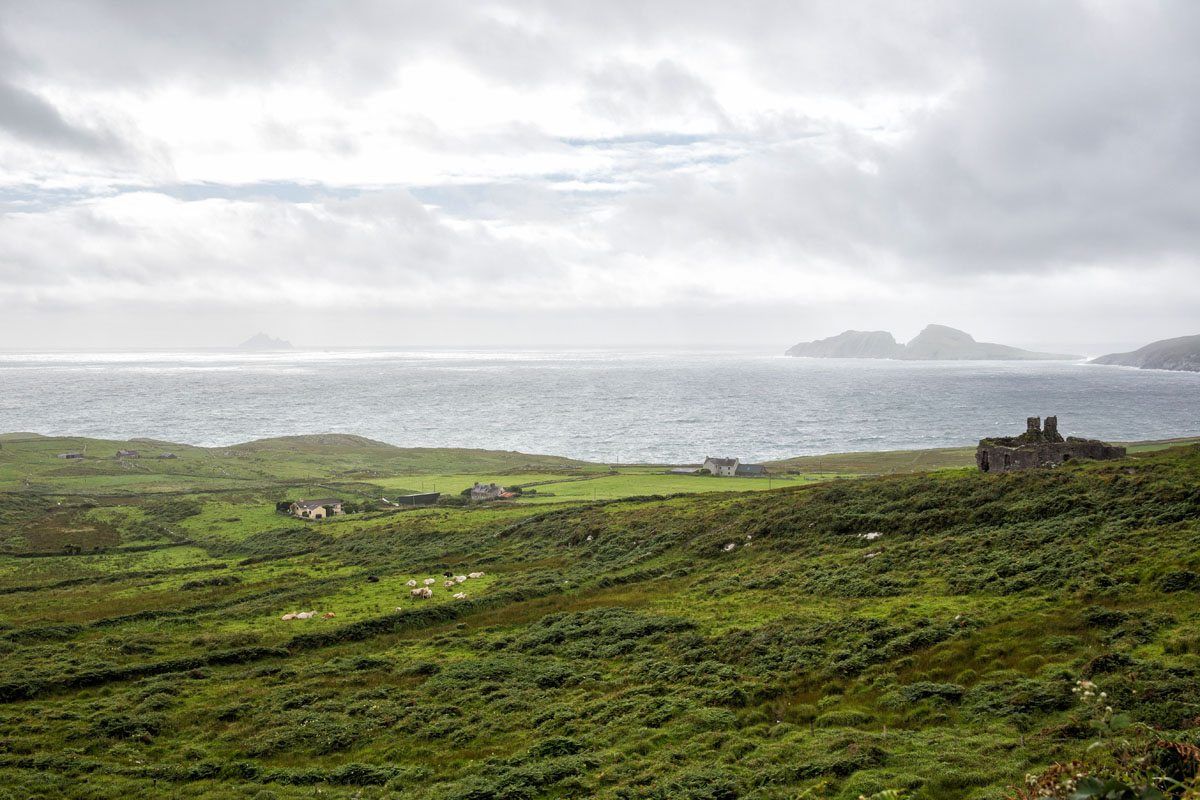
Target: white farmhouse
x,y
725,467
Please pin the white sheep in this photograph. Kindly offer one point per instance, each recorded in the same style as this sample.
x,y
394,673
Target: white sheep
x,y
459,578
430,581
449,584
422,593
411,582
729,546
475,575
306,615
460,595
288,617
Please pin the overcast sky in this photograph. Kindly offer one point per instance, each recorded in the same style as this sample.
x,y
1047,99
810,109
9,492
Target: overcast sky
x,y
358,173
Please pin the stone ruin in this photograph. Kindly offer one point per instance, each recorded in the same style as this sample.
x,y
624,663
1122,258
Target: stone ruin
x,y
1039,447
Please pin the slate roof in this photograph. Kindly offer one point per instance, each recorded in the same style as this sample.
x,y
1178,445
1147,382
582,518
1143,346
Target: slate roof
x,y
311,504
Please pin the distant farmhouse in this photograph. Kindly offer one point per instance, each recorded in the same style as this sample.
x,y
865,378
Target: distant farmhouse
x,y
315,509
1038,447
70,455
732,467
128,454
482,492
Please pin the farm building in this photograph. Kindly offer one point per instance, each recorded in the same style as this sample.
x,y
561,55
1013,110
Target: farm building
x,y
315,509
425,499
731,467
70,455
128,454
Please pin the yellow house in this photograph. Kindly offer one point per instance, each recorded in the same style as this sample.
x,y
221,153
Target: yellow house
x,y
316,509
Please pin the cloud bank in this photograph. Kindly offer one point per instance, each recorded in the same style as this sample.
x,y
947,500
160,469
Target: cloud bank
x,y
380,172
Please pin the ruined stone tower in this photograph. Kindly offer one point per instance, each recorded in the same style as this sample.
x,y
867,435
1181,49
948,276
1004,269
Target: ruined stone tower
x,y
1039,447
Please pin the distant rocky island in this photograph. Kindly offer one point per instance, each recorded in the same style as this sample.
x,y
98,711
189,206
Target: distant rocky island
x,y
1181,354
261,341
935,343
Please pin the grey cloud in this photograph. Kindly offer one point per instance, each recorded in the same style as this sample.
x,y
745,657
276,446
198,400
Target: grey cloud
x,y
29,117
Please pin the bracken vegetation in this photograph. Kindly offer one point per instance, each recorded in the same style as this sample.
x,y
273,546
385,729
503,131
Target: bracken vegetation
x,y
939,635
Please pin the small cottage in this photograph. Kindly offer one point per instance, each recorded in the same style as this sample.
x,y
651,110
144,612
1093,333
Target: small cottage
x,y
481,492
725,467
732,467
70,455
315,509
128,454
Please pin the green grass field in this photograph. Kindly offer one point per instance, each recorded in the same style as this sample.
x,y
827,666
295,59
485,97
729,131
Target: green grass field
x,y
836,632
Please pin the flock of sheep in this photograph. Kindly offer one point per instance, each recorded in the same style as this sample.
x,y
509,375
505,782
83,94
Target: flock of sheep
x,y
452,581
306,615
418,593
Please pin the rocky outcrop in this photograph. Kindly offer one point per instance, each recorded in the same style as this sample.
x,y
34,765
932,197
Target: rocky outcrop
x,y
851,344
1180,354
934,343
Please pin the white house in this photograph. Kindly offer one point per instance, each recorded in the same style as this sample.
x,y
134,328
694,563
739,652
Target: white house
x,y
730,467
725,467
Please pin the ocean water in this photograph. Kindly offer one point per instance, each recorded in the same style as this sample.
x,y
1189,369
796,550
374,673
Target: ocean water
x,y
603,405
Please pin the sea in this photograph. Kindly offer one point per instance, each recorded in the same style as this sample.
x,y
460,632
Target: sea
x,y
618,406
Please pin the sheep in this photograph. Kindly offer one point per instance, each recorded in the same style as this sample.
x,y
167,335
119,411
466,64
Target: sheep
x,y
870,537
411,582
872,555
372,579
288,617
589,538
729,546
475,575
449,584
460,595
459,578
328,615
422,593
306,615
430,581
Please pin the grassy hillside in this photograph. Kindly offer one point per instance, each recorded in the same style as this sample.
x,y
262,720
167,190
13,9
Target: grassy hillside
x,y
919,633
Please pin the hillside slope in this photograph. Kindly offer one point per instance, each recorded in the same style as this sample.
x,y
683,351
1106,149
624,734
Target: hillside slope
x,y
1181,354
919,632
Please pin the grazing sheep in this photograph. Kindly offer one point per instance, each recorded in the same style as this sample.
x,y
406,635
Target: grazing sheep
x,y
328,615
288,617
475,575
424,592
411,582
870,537
430,581
460,595
459,578
449,584
447,574
306,615
872,555
729,547
589,538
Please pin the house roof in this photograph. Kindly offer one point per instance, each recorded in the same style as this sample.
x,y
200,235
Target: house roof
x,y
752,469
311,504
721,462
